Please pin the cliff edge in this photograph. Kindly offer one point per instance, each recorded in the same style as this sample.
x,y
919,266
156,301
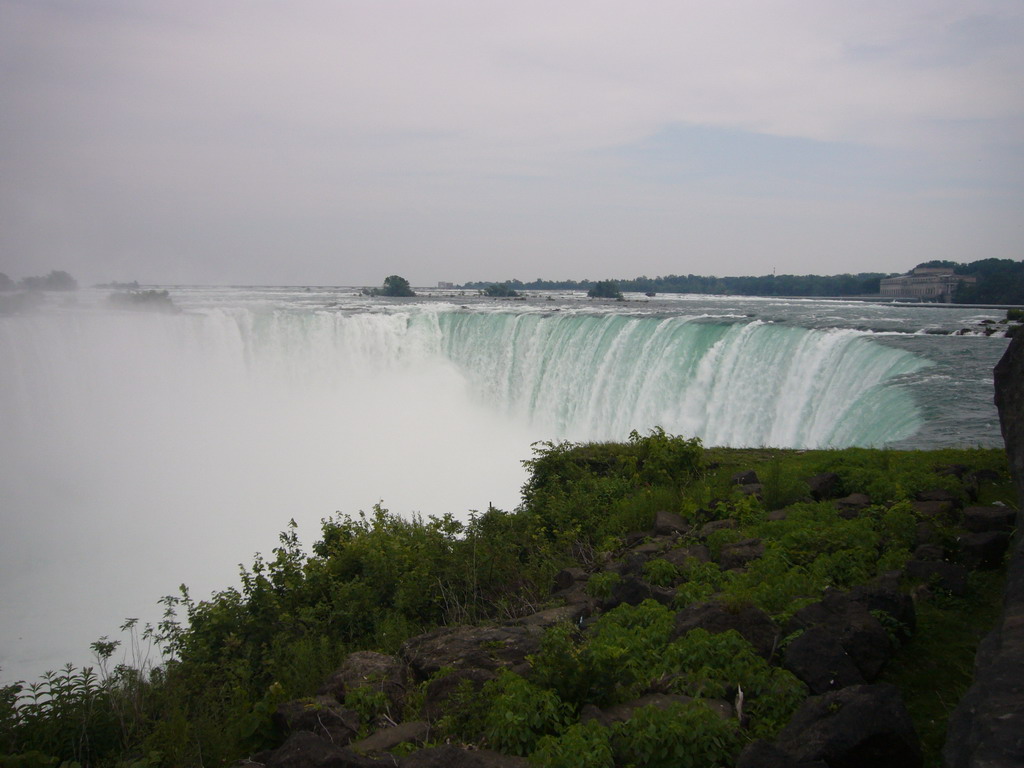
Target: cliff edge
x,y
987,728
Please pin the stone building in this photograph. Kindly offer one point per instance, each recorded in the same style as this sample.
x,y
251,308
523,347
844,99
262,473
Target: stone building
x,y
924,284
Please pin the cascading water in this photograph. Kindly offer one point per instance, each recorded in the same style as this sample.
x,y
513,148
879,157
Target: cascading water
x,y
734,384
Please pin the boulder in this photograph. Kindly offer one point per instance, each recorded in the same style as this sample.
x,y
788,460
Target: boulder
x,y
715,525
983,519
567,577
386,739
669,523
450,756
321,715
949,577
851,506
369,669
629,590
752,623
817,658
824,486
680,555
852,626
942,511
739,553
861,725
940,494
983,551
440,691
752,489
549,617
307,750
762,754
885,593
462,647
745,478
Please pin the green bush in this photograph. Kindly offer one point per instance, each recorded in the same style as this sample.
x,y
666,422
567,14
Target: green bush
x,y
688,735
520,713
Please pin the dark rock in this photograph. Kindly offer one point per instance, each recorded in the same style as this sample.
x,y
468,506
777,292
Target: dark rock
x,y
824,486
949,577
885,593
450,756
630,590
745,478
925,533
861,725
983,551
817,658
669,523
987,727
752,489
549,617
777,515
854,628
622,712
934,510
386,739
982,519
752,623
953,470
440,691
762,754
680,555
567,577
739,553
376,670
322,715
716,525
664,595
631,565
462,647
307,750
940,494
929,552
851,506
649,549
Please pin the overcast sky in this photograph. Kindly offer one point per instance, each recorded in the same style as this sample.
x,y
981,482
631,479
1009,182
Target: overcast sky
x,y
319,142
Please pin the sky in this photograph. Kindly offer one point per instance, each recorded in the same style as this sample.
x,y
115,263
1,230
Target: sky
x,y
337,142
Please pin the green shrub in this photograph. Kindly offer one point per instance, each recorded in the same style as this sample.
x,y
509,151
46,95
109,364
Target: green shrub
x,y
520,713
583,745
687,735
660,572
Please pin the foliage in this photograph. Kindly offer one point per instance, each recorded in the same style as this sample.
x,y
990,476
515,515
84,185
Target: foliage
x,y
500,291
520,713
605,289
394,285
56,280
687,735
142,300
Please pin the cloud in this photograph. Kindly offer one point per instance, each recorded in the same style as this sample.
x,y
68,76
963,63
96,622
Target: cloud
x,y
228,130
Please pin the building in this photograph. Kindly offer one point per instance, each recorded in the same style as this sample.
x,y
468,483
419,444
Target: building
x,y
925,284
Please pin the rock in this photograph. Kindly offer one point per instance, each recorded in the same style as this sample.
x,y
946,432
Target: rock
x,y
752,623
983,519
946,576
745,478
322,715
715,525
461,647
386,739
739,553
987,727
440,691
983,551
622,712
817,658
776,515
669,523
762,754
934,510
573,613
751,489
940,494
367,668
450,756
824,486
567,577
884,593
307,750
680,555
630,590
925,533
861,725
929,552
851,506
853,627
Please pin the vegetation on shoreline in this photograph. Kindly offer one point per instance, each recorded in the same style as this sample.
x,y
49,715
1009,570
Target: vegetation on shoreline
x,y
375,580
999,281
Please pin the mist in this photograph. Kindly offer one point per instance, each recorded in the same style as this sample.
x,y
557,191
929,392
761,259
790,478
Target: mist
x,y
139,452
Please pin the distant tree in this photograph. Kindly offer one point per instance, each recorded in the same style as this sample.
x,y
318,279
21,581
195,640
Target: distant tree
x,y
55,281
394,285
605,289
939,263
6,284
500,291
